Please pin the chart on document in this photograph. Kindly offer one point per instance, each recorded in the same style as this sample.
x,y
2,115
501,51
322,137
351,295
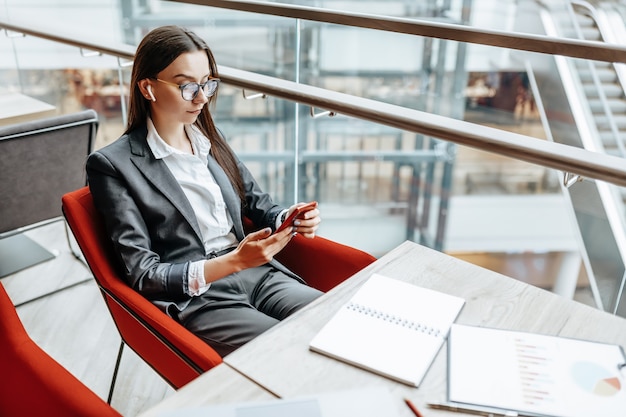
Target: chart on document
x,y
535,374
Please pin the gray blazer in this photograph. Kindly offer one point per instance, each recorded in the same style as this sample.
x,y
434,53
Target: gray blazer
x,y
151,223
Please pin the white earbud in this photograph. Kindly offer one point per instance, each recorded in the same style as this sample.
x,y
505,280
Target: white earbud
x,y
149,88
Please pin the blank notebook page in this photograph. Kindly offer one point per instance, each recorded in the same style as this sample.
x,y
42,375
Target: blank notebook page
x,y
390,327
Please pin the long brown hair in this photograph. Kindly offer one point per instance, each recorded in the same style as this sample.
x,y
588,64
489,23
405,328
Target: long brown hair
x,y
155,52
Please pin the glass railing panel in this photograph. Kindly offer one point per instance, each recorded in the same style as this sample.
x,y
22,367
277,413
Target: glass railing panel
x,y
594,92
102,18
262,133
417,72
422,73
544,237
248,41
10,74
361,172
64,77
428,74
395,8
492,14
603,247
406,70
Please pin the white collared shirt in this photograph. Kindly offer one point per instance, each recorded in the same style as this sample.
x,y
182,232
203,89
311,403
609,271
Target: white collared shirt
x,y
203,193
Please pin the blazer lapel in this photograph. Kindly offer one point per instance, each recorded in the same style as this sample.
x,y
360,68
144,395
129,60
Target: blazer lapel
x,y
155,171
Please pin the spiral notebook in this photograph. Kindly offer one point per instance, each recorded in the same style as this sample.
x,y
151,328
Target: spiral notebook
x,y
390,327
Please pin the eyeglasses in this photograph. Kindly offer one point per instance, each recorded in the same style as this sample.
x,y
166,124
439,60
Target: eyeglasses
x,y
190,91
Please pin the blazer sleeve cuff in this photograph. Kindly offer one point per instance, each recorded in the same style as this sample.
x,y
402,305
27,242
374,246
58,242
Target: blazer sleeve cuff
x,y
178,282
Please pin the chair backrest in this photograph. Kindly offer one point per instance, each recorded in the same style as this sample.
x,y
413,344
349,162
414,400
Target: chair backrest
x,y
174,352
42,160
34,383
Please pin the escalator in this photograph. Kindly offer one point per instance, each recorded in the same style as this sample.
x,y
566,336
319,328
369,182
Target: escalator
x,y
601,84
585,106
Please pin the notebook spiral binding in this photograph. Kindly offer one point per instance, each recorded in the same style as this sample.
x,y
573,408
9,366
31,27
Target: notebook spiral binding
x,y
359,308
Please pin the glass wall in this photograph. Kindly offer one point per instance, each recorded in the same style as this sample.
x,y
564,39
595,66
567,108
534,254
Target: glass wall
x,y
400,185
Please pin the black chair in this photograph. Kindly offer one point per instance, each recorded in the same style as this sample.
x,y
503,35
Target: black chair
x,y
41,160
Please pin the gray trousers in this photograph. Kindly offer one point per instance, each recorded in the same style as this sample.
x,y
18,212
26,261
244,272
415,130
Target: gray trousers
x,y
239,307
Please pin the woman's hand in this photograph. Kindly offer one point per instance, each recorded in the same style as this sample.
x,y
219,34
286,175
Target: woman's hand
x,y
260,247
307,222
255,249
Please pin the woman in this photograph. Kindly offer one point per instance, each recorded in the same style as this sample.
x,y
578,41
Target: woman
x,y
173,196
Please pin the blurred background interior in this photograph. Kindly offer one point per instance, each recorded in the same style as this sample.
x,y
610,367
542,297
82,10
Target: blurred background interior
x,y
504,214
377,185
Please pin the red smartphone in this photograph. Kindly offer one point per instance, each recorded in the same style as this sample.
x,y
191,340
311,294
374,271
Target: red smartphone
x,y
289,220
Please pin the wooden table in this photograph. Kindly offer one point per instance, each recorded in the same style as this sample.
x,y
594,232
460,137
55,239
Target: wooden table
x,y
18,108
280,362
221,385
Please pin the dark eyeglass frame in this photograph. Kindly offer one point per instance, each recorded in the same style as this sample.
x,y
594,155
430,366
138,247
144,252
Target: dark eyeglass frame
x,y
212,81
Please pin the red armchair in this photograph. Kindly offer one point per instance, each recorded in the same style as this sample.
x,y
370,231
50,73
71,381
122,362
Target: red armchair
x,y
171,350
34,383
323,263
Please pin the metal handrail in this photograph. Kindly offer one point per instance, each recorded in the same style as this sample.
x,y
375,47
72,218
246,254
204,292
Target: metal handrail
x,y
548,154
576,48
